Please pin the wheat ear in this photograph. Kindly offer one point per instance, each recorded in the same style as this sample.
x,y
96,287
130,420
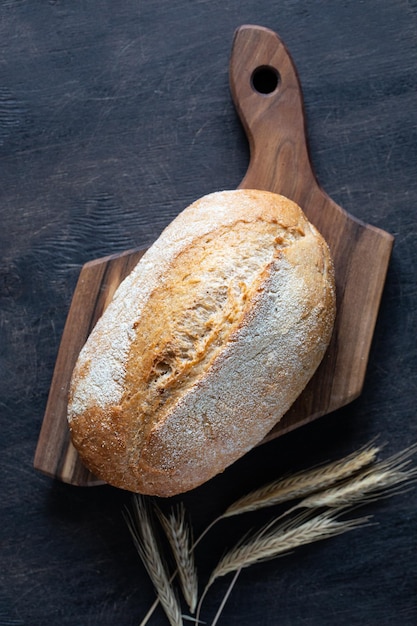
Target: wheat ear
x,y
303,483
140,526
179,536
278,539
272,541
375,482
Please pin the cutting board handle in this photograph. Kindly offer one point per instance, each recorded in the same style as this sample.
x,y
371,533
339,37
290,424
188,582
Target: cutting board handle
x,y
268,98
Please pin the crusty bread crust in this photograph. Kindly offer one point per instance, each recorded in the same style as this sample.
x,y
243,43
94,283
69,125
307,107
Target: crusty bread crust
x,y
206,344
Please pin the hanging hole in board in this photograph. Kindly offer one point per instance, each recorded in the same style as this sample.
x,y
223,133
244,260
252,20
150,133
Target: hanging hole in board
x,y
265,79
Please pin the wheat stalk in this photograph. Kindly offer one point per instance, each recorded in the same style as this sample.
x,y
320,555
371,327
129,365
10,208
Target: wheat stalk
x,y
141,528
179,536
226,597
273,540
303,483
335,486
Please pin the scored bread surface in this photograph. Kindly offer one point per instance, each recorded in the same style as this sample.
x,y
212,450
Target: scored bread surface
x,y
205,345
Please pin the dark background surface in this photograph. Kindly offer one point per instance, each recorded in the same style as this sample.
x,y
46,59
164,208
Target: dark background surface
x,y
114,117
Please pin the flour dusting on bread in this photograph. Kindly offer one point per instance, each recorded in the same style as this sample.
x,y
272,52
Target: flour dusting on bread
x,y
205,345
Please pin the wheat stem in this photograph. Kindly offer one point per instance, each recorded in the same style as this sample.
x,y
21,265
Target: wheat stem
x,y
226,597
206,530
150,612
200,604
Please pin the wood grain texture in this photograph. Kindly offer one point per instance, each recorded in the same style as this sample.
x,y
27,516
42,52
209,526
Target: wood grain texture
x,y
55,455
111,121
273,118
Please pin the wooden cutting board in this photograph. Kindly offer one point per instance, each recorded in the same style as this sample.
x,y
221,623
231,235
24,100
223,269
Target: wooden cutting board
x,y
267,95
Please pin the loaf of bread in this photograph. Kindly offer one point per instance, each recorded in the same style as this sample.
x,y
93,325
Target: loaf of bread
x,y
205,345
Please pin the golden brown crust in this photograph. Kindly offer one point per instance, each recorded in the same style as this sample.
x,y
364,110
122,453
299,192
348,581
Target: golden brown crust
x,y
206,345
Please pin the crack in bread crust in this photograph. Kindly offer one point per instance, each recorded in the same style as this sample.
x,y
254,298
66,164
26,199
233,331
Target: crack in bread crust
x,y
237,292
204,308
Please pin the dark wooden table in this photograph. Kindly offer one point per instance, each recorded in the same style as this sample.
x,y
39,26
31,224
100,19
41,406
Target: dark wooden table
x,y
114,117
